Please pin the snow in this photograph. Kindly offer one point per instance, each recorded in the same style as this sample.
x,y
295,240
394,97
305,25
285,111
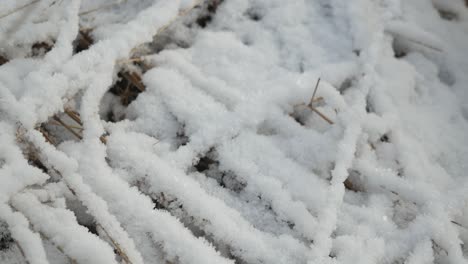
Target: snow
x,y
219,150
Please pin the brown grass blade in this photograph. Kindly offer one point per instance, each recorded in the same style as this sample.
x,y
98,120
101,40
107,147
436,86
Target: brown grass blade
x,y
19,8
67,127
321,115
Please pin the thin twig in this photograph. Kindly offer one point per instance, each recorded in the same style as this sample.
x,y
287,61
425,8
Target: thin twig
x,y
315,91
312,100
425,45
21,251
46,135
72,260
19,8
321,115
458,224
318,99
102,7
418,42
55,123
116,246
67,127
73,115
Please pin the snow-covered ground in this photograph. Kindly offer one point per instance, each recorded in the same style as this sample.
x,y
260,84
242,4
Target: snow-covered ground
x,y
235,131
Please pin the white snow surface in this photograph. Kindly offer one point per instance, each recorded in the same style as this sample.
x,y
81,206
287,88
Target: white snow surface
x,y
220,159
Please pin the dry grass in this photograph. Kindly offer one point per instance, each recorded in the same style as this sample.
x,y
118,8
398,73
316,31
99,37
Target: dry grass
x,y
20,249
71,122
68,127
313,100
41,163
116,246
19,8
102,7
59,248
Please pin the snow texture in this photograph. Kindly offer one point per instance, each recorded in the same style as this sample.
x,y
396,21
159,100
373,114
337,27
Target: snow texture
x,y
233,131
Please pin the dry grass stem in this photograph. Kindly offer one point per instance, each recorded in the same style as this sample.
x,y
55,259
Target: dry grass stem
x,y
312,100
67,127
19,8
74,115
458,224
46,135
59,248
116,245
321,115
22,252
318,99
315,91
55,123
419,43
102,7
